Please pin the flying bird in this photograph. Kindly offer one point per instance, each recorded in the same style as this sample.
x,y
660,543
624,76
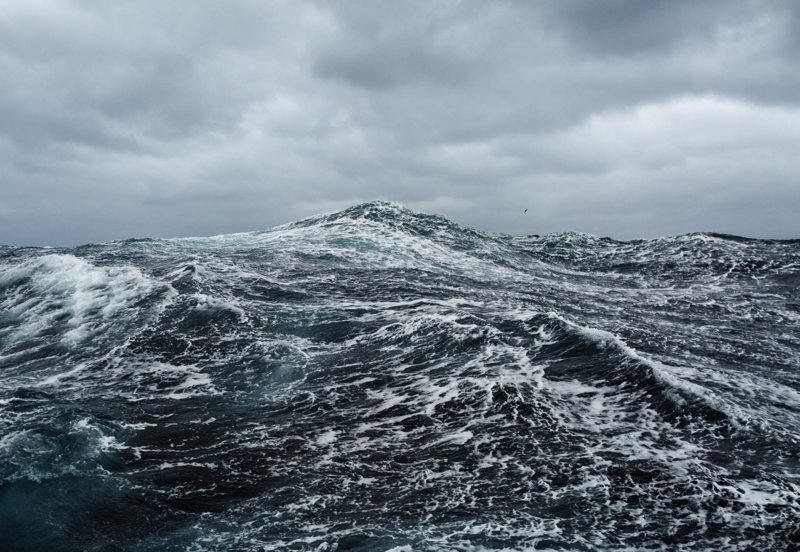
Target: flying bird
x,y
525,211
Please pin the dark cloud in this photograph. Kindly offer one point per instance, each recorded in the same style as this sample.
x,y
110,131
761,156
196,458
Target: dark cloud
x,y
627,28
620,117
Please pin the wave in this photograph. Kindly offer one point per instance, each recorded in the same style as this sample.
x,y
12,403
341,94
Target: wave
x,y
382,379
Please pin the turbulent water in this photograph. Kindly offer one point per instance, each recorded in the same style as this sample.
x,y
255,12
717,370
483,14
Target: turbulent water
x,y
379,379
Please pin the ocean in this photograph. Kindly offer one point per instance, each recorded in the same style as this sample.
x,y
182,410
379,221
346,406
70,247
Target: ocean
x,y
379,379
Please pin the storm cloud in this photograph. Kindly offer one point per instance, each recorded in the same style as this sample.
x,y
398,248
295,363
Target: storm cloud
x,y
621,118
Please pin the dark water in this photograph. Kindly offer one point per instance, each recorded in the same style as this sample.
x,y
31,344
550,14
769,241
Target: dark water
x,y
379,379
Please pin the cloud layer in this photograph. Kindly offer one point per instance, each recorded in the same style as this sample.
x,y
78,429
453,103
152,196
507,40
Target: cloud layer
x,y
621,118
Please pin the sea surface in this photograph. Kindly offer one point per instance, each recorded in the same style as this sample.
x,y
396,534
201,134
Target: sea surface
x,y
379,379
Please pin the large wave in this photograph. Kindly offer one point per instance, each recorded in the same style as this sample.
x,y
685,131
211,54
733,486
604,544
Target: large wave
x,y
380,379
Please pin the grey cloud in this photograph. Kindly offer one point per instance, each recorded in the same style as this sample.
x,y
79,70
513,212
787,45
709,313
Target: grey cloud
x,y
153,119
392,45
628,28
547,65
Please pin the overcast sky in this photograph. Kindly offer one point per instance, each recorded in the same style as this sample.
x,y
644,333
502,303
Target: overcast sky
x,y
622,118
